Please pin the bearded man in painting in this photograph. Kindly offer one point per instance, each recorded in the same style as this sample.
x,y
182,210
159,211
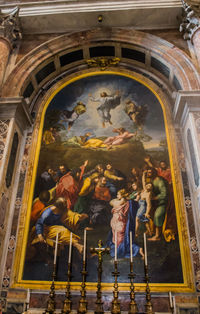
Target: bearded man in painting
x,y
106,103
159,201
70,185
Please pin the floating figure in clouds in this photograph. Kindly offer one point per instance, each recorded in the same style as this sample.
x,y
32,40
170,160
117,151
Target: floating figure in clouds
x,y
48,137
70,116
136,113
106,103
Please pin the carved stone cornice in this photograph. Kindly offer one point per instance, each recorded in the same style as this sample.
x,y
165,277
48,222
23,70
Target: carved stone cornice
x,y
62,16
10,26
15,107
195,5
190,21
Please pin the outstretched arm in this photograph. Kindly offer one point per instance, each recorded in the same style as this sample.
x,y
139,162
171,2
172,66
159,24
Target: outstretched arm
x,y
144,179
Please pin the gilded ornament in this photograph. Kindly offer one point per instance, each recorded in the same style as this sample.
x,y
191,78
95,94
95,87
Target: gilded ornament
x,y
102,62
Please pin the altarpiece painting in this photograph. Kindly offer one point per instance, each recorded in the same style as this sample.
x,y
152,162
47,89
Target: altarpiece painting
x,y
103,163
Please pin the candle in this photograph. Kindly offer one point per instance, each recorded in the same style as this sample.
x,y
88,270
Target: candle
x,y
28,296
56,249
131,247
145,250
84,246
174,304
170,299
70,249
115,246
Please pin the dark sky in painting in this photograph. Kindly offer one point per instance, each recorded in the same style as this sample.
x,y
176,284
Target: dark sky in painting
x,y
129,89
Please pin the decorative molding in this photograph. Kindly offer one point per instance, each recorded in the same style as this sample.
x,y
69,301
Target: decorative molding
x,y
58,6
190,21
59,16
10,27
15,107
195,4
102,62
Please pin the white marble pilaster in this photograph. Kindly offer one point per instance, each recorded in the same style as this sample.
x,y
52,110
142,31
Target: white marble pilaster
x,y
187,116
15,118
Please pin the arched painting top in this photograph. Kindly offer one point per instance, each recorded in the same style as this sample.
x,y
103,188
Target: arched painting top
x,y
175,59
103,163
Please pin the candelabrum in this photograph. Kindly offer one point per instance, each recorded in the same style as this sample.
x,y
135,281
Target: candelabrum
x,y
132,305
148,305
100,251
172,308
67,306
83,302
115,302
51,299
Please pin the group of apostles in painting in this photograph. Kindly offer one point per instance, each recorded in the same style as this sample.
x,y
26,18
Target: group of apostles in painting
x,y
74,199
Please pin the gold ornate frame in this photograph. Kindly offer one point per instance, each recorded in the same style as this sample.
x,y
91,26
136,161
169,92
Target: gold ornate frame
x,y
17,281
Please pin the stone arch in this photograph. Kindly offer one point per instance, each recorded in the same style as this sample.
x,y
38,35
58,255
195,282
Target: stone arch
x,y
67,53
159,61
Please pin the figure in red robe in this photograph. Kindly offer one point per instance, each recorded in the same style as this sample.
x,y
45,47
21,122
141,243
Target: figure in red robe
x,y
70,185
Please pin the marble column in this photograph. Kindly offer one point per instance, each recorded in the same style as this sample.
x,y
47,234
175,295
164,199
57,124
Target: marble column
x,y
5,49
187,116
9,36
15,120
196,42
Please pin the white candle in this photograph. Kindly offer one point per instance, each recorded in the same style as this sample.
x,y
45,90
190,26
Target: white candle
x,y
170,299
131,247
28,296
115,246
56,249
174,304
145,250
84,246
70,249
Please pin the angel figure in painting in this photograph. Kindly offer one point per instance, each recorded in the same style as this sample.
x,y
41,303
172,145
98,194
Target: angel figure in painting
x,y
136,113
70,116
48,137
106,104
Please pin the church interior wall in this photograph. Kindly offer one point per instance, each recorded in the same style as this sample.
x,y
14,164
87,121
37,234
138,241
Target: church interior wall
x,y
33,54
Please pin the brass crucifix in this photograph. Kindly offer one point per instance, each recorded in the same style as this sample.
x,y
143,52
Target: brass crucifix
x,y
100,251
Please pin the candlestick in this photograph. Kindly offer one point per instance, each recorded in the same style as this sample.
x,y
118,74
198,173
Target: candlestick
x,y
82,308
67,305
133,309
115,309
100,251
131,247
145,250
56,249
148,305
84,246
115,246
51,304
70,249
